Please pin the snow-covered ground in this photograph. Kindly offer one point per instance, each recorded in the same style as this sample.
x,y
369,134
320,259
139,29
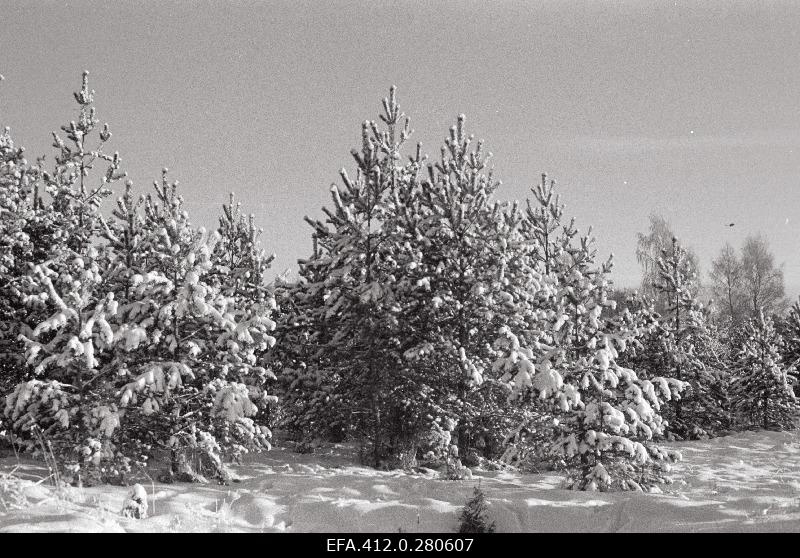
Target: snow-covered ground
x,y
744,482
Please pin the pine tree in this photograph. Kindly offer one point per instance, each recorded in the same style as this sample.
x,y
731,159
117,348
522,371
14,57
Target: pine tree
x,y
21,223
788,328
688,351
31,232
68,286
649,248
461,263
401,301
240,273
69,184
151,341
194,343
344,305
763,395
605,417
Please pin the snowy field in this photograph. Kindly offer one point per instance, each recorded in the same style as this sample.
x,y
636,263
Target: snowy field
x,y
745,482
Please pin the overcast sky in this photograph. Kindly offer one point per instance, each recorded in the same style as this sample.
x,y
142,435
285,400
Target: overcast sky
x,y
688,109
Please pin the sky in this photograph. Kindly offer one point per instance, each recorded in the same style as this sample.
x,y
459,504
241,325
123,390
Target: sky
x,y
687,109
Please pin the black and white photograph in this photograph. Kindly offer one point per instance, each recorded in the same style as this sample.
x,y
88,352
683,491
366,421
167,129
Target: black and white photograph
x,y
431,270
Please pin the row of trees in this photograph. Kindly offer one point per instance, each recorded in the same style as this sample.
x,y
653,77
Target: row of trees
x,y
432,314
741,285
747,284
745,323
726,364
431,320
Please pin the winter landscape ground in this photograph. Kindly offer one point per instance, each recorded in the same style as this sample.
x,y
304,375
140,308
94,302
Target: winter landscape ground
x,y
744,482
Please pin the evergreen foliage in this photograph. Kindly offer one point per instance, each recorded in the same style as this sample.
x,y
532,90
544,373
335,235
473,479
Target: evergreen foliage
x,y
605,418
26,232
683,345
763,396
431,321
473,518
430,314
788,329
344,308
145,332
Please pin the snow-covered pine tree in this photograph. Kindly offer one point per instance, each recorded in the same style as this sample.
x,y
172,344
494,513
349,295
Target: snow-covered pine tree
x,y
541,239
191,343
124,236
72,193
608,442
466,259
240,262
62,400
398,359
720,361
143,347
545,226
343,304
305,410
788,327
240,267
688,352
605,416
19,217
32,232
25,228
649,248
652,353
762,394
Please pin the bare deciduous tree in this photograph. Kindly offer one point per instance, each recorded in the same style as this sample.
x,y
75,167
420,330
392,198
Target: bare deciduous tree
x,y
650,247
762,281
727,276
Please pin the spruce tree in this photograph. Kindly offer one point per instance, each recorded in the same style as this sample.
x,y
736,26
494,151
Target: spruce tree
x,y
473,517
